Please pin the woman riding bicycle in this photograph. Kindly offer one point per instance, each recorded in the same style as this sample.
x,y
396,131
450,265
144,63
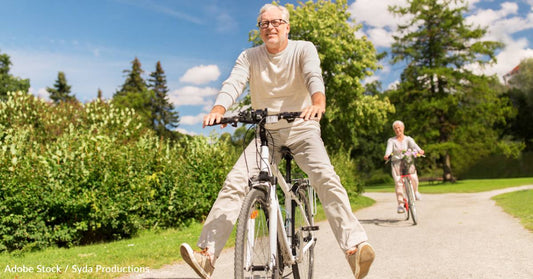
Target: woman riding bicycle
x,y
396,147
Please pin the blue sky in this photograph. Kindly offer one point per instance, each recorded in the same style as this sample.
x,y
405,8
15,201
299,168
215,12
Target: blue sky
x,y
197,42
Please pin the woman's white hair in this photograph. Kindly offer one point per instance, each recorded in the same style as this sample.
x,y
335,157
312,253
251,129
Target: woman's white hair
x,y
397,122
284,12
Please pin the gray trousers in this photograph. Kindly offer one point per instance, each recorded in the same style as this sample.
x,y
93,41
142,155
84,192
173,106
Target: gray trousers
x,y
309,152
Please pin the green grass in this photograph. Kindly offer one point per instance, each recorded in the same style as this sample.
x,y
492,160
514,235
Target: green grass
x,y
462,186
519,204
149,249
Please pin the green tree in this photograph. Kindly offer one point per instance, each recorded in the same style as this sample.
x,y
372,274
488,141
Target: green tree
x,y
61,90
451,110
352,118
8,82
134,93
134,81
521,94
164,118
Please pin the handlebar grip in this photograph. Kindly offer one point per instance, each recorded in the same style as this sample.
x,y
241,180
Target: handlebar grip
x,y
227,120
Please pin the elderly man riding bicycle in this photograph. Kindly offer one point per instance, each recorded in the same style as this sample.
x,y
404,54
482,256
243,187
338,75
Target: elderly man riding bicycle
x,y
283,75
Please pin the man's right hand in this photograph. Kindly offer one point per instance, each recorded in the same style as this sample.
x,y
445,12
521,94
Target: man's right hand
x,y
216,114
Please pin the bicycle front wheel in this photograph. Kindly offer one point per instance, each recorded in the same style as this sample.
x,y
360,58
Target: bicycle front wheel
x,y
411,200
303,243
252,245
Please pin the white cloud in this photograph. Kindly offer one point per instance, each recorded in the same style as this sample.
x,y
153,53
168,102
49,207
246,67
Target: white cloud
x,y
502,25
201,74
508,58
41,93
192,119
380,37
374,13
186,132
192,95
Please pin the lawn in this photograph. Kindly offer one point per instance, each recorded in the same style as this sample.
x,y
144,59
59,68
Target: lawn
x,y
462,186
518,204
152,250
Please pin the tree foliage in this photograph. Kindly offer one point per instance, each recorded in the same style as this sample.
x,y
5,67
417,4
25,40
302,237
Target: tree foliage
x,y
134,81
134,93
164,118
8,82
352,118
150,100
521,94
452,111
61,90
83,173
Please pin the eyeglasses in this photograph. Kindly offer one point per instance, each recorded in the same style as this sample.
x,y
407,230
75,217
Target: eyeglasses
x,y
275,23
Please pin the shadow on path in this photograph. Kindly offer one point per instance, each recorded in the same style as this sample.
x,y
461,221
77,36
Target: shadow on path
x,y
387,222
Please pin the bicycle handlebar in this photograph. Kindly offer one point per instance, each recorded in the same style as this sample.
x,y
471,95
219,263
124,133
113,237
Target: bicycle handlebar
x,y
257,116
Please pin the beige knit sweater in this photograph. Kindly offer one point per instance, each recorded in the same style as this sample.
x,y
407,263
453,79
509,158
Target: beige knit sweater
x,y
280,82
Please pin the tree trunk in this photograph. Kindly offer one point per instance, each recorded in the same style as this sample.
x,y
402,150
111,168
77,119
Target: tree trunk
x,y
447,175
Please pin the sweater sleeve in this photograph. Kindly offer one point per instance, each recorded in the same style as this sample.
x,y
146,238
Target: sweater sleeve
x,y
388,150
412,144
312,73
233,87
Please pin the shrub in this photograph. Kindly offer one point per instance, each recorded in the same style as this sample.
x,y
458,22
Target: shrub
x,y
75,174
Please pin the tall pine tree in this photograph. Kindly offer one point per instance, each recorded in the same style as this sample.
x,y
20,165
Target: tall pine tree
x,y
164,118
134,81
134,93
61,90
449,109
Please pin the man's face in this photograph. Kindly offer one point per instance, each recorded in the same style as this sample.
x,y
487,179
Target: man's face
x,y
275,38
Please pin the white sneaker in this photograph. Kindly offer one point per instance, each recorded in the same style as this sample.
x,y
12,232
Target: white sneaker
x,y
361,260
400,209
418,196
200,261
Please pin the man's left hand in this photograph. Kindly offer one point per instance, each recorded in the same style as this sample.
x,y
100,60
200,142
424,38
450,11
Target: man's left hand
x,y
313,112
317,109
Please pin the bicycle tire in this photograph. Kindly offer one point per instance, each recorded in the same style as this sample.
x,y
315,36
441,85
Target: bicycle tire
x,y
405,201
252,255
411,200
304,268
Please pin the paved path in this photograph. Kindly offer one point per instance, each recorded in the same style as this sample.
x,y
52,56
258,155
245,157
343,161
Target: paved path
x,y
458,236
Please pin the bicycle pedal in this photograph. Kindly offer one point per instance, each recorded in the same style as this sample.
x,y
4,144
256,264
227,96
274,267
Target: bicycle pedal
x,y
310,228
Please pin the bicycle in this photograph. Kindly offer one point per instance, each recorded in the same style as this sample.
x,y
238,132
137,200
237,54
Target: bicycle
x,y
268,238
406,169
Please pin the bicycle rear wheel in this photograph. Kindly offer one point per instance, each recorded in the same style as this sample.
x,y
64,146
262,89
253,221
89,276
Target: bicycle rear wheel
x,y
301,242
411,200
252,244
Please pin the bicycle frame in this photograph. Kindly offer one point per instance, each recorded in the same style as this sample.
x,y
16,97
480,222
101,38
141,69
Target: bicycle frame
x,y
289,244
409,198
276,226
408,190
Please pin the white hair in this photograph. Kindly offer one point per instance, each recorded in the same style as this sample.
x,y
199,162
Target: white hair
x,y
397,122
284,12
